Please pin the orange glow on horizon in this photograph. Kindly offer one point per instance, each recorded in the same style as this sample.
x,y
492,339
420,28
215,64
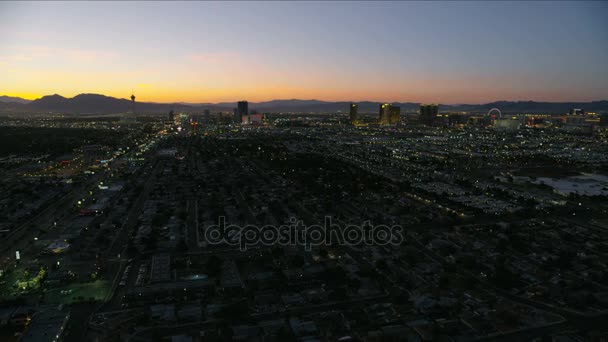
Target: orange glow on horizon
x,y
221,95
267,94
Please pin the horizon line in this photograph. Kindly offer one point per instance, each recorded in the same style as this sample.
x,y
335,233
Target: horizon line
x,y
38,97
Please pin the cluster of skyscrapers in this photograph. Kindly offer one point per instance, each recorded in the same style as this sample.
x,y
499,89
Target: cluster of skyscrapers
x,y
390,114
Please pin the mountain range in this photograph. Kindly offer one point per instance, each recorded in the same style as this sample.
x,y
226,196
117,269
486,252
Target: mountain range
x,y
100,104
4,98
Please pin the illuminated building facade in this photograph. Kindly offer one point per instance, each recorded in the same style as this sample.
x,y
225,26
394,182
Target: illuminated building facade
x,y
389,114
508,124
383,116
354,114
394,114
428,113
256,119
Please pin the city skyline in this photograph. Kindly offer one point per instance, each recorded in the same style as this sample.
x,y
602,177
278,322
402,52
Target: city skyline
x,y
390,52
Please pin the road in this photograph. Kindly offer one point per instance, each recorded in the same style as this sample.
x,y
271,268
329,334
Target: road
x,y
119,245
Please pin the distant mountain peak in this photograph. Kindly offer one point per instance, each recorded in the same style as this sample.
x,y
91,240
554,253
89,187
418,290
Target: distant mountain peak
x,y
92,95
15,99
54,96
97,103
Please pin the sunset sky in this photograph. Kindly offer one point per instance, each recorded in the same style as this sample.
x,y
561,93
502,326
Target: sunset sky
x,y
452,52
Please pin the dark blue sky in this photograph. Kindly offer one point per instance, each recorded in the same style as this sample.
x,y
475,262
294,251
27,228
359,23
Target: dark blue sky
x,y
449,52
